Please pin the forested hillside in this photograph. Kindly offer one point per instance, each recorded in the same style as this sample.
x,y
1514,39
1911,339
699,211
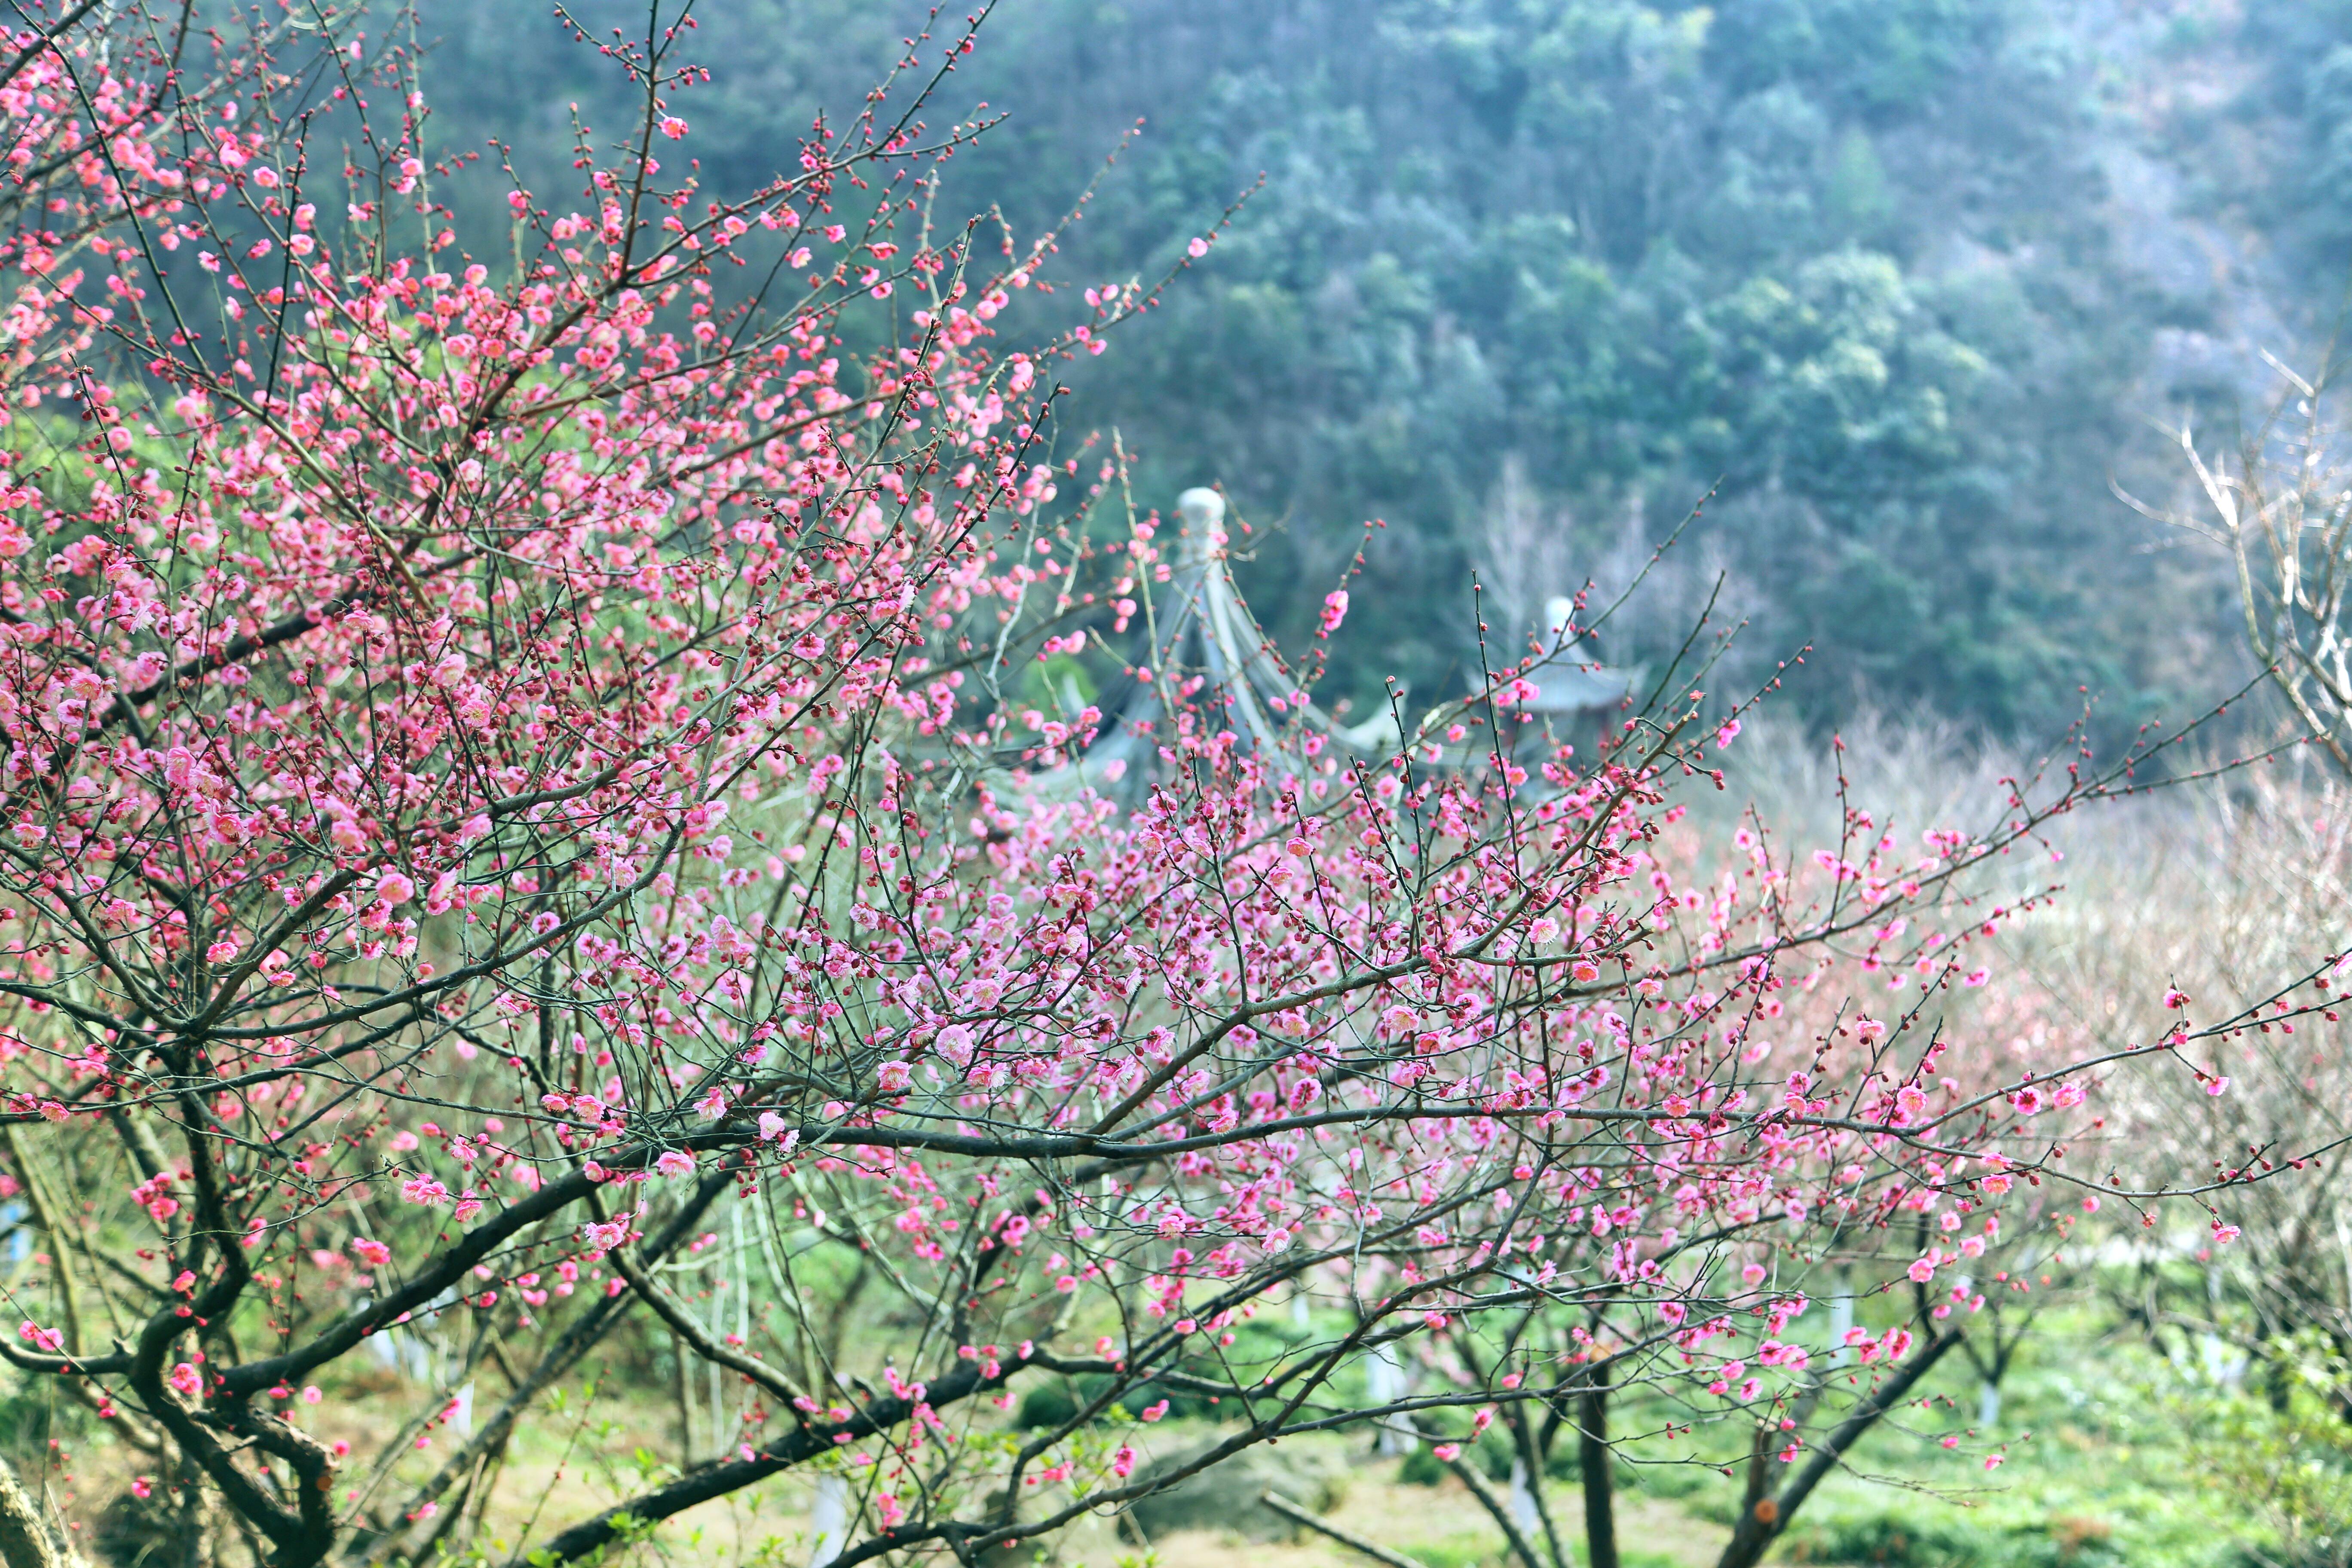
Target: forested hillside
x,y
1917,281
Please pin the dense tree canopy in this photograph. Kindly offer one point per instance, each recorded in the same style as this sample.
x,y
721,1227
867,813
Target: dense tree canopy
x,y
1884,268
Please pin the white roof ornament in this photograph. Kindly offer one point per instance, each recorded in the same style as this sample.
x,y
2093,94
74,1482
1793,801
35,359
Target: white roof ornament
x,y
1567,678
1203,510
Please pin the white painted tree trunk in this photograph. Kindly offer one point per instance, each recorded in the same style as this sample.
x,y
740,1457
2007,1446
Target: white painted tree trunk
x,y
1384,1384
828,1520
1523,1498
1988,1405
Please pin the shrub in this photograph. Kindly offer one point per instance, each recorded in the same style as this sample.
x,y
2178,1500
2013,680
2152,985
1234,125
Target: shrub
x,y
1926,1535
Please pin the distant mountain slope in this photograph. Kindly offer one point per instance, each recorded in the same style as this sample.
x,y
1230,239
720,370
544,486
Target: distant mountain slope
x,y
1911,277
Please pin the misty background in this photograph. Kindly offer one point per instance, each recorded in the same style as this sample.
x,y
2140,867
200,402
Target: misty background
x,y
1919,282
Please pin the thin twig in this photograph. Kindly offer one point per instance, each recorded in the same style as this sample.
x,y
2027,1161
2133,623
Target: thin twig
x,y
1291,1511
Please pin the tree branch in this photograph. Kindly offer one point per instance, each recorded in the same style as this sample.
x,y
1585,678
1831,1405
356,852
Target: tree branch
x,y
1761,1523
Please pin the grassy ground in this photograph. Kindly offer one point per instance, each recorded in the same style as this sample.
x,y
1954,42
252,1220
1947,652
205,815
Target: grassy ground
x,y
2108,1456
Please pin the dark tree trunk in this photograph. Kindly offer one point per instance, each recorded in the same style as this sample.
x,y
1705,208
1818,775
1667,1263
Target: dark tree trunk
x,y
1767,1516
1593,1460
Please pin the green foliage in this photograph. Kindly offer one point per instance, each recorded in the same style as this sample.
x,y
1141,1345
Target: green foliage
x,y
1467,1550
1670,1480
1492,1453
1047,1405
1258,1347
33,1414
1916,1536
2284,1450
1422,1468
1057,688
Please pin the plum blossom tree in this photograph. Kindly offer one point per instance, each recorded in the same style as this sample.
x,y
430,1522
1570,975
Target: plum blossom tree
x,y
2280,508
2266,862
519,819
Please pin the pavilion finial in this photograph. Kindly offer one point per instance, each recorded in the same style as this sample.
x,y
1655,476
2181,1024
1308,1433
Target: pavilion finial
x,y
1201,507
